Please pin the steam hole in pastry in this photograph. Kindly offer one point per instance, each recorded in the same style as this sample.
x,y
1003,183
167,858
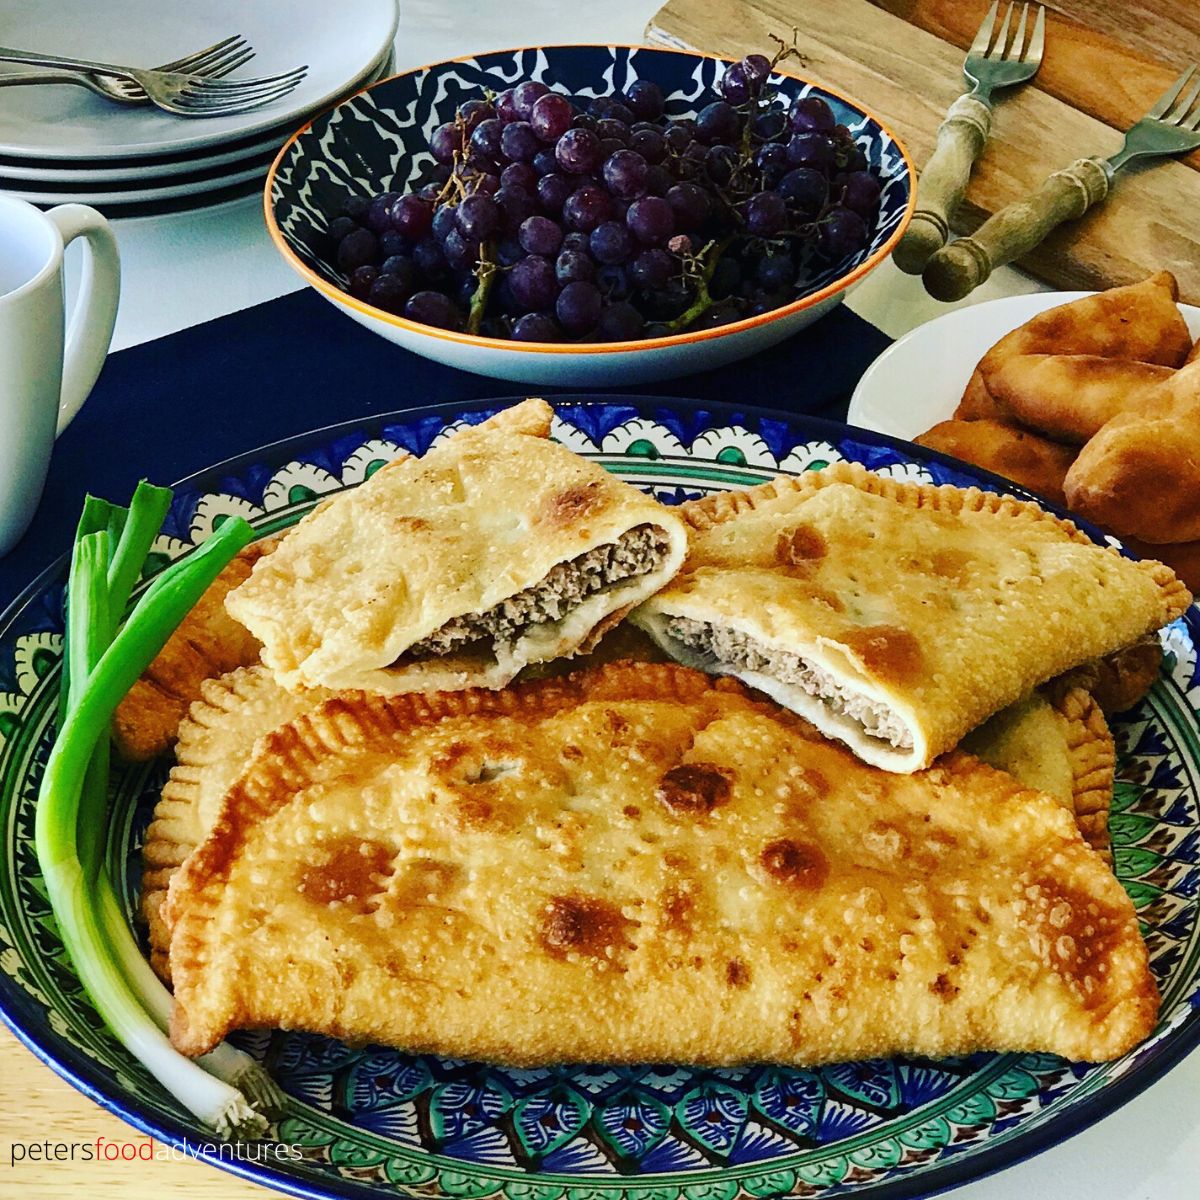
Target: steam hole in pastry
x,y
490,771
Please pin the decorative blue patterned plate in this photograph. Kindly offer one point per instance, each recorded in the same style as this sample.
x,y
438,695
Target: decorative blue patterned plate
x,y
371,1122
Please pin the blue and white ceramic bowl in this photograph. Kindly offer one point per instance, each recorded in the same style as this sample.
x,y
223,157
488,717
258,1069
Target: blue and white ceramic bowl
x,y
377,141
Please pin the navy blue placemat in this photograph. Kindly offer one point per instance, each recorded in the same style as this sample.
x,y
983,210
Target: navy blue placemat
x,y
170,407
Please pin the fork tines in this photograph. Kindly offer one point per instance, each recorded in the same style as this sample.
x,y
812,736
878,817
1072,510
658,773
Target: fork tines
x,y
1169,112
218,59
218,95
1001,49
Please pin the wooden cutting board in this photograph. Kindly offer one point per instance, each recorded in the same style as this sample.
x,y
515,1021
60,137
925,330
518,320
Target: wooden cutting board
x,y
1104,66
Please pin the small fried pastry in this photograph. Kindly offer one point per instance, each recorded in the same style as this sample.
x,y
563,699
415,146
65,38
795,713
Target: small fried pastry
x,y
1069,397
1140,475
1025,458
1141,322
977,403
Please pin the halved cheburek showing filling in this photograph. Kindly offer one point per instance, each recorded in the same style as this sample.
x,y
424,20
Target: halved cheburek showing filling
x,y
497,549
897,616
568,591
783,673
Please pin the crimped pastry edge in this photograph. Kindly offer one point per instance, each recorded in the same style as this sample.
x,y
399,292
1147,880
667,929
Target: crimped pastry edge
x,y
1093,764
719,507
162,853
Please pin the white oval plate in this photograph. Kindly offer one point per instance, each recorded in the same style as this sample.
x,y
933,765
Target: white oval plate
x,y
339,44
918,381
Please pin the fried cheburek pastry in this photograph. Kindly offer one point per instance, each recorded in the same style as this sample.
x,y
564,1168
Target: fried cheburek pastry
x,y
580,854
896,616
216,739
1140,322
497,549
1025,458
1069,397
208,642
1140,475
1058,745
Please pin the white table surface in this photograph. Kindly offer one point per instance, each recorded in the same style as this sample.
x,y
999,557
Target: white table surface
x,y
184,269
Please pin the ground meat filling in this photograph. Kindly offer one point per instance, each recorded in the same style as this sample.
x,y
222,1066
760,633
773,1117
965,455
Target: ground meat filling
x,y
736,651
640,551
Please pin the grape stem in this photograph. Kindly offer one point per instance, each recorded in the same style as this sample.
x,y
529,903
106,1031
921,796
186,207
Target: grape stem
x,y
753,107
787,49
484,276
703,301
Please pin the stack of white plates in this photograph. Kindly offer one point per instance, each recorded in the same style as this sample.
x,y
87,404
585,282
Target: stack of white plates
x,y
61,143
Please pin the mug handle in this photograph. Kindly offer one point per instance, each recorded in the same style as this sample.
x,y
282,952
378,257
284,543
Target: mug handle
x,y
90,329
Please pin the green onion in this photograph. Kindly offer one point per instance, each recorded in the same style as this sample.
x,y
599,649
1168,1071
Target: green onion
x,y
98,670
138,529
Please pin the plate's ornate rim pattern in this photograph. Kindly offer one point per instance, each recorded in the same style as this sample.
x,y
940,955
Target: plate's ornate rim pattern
x,y
1021,1102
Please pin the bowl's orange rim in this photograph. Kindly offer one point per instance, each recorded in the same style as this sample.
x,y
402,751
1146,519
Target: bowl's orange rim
x,y
341,298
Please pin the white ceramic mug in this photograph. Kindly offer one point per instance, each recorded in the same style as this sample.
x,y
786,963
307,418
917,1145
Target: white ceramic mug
x,y
47,366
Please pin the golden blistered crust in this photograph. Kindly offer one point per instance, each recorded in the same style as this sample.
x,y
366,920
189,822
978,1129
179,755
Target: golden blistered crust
x,y
215,742
704,513
711,510
943,604
207,643
640,863
486,514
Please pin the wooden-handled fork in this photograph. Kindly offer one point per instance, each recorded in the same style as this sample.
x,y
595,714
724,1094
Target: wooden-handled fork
x,y
1171,127
990,64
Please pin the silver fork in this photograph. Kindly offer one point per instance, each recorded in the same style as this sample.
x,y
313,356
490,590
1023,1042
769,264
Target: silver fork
x,y
214,61
991,63
188,95
1172,126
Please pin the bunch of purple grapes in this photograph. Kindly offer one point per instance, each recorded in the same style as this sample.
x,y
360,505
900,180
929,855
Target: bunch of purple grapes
x,y
548,221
